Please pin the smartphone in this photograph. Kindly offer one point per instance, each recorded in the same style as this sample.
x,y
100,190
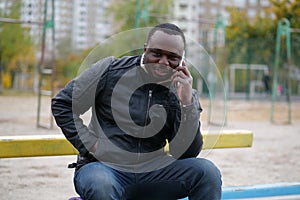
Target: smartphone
x,y
182,59
180,64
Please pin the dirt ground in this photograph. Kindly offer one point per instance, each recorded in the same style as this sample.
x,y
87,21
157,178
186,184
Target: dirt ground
x,y
274,157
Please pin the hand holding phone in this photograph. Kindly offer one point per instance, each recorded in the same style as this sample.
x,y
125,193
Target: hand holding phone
x,y
182,59
182,81
180,65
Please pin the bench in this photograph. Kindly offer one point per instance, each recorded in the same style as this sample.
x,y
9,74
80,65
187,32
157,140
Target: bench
x,y
58,145
260,191
256,191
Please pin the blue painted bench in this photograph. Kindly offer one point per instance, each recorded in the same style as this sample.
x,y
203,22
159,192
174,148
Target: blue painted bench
x,y
255,191
259,191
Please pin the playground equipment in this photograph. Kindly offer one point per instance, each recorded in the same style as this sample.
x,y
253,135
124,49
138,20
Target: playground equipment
x,y
46,68
283,29
219,43
141,14
254,71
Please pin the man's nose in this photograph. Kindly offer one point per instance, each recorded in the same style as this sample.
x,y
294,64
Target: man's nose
x,y
164,60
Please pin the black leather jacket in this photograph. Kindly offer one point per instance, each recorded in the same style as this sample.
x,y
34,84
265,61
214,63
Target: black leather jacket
x,y
132,116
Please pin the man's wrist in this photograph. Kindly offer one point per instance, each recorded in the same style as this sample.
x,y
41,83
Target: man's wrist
x,y
186,104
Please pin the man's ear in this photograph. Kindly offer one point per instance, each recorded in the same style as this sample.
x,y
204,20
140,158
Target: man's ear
x,y
145,46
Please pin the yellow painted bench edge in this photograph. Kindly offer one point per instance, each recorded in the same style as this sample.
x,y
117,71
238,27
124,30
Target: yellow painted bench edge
x,y
58,145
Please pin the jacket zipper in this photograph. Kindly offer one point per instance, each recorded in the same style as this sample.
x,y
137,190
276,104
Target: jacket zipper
x,y
146,117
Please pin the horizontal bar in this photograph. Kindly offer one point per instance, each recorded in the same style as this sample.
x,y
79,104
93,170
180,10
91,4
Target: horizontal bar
x,y
16,21
47,71
227,139
46,92
258,191
56,145
35,145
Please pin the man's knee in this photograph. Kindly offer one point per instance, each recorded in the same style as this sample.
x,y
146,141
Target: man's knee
x,y
205,170
207,181
209,168
94,183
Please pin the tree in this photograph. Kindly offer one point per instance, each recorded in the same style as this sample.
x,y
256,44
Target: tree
x,y
125,12
64,47
243,30
15,42
289,9
250,40
66,68
253,41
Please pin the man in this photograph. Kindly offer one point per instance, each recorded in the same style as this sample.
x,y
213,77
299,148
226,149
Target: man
x,y
138,103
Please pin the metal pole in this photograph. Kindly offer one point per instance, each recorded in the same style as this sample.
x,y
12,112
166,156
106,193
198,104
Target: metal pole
x,y
141,13
219,26
145,14
249,57
41,63
289,61
53,57
41,68
137,14
283,29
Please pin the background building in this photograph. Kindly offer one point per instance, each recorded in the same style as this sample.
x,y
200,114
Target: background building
x,y
83,23
78,22
90,25
198,17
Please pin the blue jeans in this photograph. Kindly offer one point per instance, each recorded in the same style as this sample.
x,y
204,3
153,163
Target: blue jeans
x,y
197,178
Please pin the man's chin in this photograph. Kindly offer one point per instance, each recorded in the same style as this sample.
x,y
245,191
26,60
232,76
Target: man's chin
x,y
159,75
162,78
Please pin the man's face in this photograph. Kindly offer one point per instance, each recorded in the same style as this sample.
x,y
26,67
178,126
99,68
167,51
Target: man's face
x,y
163,54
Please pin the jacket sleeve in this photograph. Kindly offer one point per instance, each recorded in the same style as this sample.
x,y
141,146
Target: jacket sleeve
x,y
73,100
188,139
65,118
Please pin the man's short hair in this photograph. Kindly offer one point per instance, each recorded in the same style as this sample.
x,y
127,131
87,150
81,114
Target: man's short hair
x,y
168,28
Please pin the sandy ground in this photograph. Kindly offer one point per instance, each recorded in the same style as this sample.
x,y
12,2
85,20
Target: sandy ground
x,y
274,157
